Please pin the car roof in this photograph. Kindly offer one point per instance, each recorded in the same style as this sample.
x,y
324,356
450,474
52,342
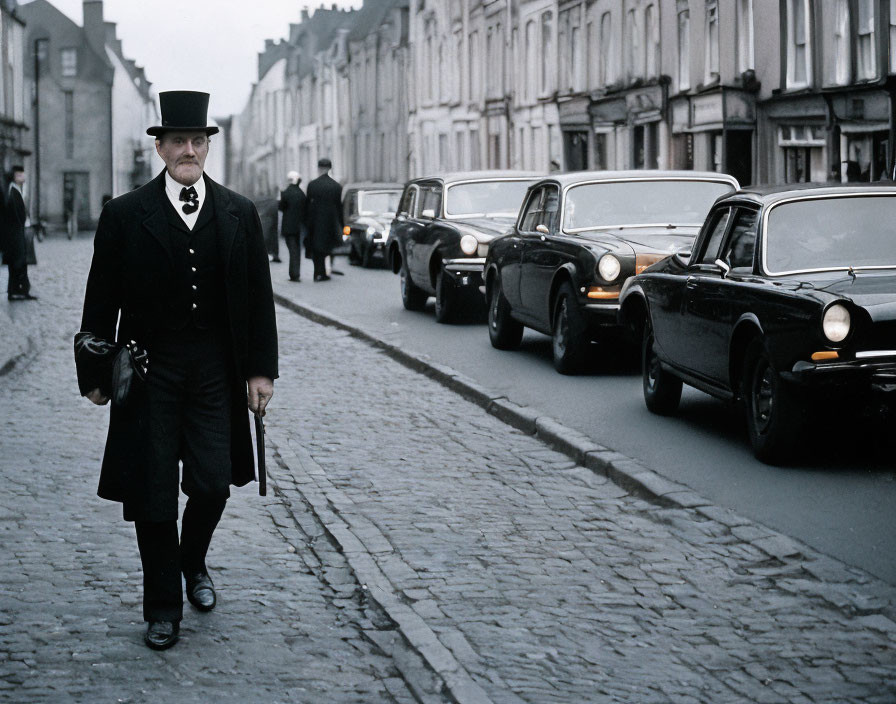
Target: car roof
x,y
373,186
449,177
766,195
573,177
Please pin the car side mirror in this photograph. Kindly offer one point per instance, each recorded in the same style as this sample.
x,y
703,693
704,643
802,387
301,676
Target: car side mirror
x,y
428,213
542,229
724,266
682,257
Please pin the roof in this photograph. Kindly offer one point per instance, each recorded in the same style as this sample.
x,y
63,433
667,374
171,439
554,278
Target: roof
x,y
371,16
572,177
773,194
453,176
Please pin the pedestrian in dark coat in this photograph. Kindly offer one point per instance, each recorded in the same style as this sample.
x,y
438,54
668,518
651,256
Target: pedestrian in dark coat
x,y
324,218
292,226
182,261
15,247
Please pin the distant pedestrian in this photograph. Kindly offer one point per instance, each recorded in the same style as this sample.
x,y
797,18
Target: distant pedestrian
x,y
324,218
180,268
292,227
15,248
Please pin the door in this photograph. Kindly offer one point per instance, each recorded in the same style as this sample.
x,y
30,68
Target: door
x,y
512,257
406,219
539,259
421,239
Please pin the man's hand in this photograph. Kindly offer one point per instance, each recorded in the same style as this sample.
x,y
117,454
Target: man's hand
x,y
96,396
260,391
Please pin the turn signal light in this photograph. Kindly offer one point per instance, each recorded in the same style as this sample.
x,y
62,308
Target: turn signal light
x,y
602,293
346,230
825,355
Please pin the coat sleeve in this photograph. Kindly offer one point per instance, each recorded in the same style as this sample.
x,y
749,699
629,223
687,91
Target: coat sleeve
x,y
262,360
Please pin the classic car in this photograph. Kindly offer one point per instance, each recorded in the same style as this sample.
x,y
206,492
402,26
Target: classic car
x,y
578,237
441,234
787,298
368,209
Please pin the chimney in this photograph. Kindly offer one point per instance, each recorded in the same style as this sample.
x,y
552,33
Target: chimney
x,y
94,27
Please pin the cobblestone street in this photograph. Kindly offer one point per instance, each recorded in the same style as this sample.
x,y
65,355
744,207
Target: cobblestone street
x,y
414,547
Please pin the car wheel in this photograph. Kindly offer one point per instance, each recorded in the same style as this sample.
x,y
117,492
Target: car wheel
x,y
570,343
446,298
662,390
412,297
367,256
775,416
504,332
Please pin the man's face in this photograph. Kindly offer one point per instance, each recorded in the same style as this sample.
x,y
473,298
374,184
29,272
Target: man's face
x,y
184,154
18,177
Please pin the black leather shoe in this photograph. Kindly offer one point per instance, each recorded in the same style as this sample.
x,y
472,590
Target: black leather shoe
x,y
321,277
161,635
201,591
21,297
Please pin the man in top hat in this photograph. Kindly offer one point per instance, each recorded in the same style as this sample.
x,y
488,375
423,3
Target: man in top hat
x,y
182,261
15,254
292,205
324,218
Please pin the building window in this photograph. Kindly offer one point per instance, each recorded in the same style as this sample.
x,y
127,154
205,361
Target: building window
x,y
866,61
842,50
69,59
69,101
547,50
475,68
606,48
892,36
652,41
575,64
633,53
475,162
593,63
799,48
530,58
712,41
684,50
745,54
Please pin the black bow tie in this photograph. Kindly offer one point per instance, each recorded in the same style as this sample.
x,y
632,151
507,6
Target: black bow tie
x,y
191,200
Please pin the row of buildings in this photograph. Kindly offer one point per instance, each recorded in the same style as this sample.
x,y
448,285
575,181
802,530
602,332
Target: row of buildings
x,y
73,110
767,90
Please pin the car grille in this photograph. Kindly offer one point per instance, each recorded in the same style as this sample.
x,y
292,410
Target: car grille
x,y
880,336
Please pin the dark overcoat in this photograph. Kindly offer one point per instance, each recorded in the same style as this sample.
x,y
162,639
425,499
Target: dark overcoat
x,y
324,215
292,205
133,273
14,248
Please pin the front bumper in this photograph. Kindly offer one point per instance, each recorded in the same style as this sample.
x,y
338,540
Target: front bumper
x,y
874,370
466,272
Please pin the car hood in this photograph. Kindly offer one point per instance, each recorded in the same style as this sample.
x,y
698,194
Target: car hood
x,y
646,239
875,292
485,229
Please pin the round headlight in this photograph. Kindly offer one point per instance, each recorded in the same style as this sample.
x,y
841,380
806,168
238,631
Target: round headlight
x,y
836,322
609,267
468,245
371,230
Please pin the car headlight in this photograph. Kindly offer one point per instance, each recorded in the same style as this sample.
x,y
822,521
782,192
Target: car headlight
x,y
609,267
836,322
371,230
469,245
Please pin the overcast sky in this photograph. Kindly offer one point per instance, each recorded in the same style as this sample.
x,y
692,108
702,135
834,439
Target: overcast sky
x,y
208,45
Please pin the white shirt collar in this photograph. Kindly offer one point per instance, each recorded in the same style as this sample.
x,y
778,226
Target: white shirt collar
x,y
173,188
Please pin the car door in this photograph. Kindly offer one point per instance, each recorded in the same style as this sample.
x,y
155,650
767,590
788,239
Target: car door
x,y
423,239
667,294
406,220
509,267
714,298
540,259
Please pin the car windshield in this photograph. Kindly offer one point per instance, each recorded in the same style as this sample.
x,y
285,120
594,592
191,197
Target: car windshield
x,y
485,198
831,233
641,202
375,202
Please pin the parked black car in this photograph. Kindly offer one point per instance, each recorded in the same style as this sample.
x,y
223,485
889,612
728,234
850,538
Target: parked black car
x,y
441,233
788,297
578,237
368,209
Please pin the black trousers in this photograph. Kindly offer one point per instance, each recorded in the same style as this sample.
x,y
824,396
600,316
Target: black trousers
x,y
294,245
165,558
18,279
320,264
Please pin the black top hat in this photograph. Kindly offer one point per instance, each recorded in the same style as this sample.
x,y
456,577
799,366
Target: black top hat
x,y
183,110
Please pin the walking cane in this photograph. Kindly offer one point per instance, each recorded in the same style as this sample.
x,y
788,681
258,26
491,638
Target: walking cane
x,y
259,449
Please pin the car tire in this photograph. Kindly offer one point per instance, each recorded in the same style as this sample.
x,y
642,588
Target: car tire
x,y
570,343
662,390
504,332
447,300
775,416
412,297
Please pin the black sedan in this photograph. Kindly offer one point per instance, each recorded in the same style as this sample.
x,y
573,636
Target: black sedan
x,y
579,236
368,209
786,302
442,231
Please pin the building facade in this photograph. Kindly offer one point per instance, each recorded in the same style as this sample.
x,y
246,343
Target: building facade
x,y
90,110
14,138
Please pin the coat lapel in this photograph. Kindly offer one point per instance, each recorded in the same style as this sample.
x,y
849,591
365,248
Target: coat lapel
x,y
228,221
154,219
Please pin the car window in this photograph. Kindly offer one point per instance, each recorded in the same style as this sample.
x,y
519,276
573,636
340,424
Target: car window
x,y
551,208
716,232
431,199
350,205
532,210
742,241
408,200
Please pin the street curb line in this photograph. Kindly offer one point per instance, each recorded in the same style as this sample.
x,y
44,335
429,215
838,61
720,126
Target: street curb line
x,y
629,474
333,509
